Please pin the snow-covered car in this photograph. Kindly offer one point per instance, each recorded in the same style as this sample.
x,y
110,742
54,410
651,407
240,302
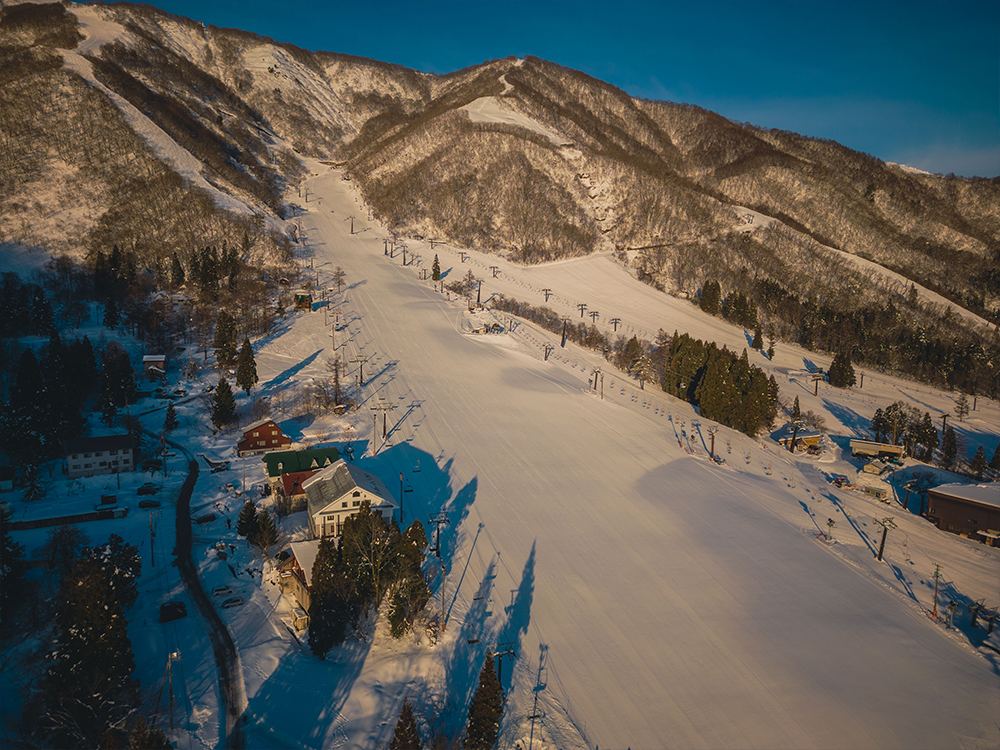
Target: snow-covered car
x,y
147,489
233,601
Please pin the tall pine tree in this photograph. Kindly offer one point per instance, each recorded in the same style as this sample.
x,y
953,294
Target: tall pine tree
x,y
246,368
406,736
223,405
333,603
841,372
949,448
225,339
486,710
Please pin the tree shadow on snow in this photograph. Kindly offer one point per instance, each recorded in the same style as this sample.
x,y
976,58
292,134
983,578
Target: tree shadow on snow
x,y
848,417
290,373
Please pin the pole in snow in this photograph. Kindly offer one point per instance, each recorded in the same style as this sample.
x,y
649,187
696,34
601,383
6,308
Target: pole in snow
x,y
615,322
565,323
583,308
546,292
886,524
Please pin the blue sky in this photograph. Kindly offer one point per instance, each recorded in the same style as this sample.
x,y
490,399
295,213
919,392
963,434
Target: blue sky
x,y
912,82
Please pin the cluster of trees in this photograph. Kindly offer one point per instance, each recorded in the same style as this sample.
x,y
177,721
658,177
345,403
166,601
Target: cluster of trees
x,y
894,333
485,714
24,309
87,696
372,559
257,526
725,388
899,424
47,397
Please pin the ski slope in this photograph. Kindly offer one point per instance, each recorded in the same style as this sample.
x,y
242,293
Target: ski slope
x,y
650,597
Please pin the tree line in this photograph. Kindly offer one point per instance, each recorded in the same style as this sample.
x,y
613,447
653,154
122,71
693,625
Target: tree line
x,y
86,695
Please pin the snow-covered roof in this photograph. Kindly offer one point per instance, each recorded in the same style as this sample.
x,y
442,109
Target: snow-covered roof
x,y
258,423
305,554
338,479
988,494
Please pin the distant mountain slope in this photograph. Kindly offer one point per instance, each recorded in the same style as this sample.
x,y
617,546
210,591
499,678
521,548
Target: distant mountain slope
x,y
521,157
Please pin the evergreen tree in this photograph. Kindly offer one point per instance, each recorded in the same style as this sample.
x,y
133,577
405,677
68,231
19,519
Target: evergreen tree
x,y
758,338
338,275
770,343
28,414
486,710
89,685
711,297
978,463
223,405
332,599
796,409
246,522
878,425
436,269
995,461
369,546
841,372
170,420
225,339
246,368
411,590
33,490
962,407
147,736
111,315
11,570
928,437
406,736
895,421
267,533
643,369
63,548
176,271
122,567
117,375
949,448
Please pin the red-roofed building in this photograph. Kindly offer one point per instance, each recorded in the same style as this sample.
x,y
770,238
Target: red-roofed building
x,y
262,436
292,491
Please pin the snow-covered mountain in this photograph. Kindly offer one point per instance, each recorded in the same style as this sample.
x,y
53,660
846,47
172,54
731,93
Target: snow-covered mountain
x,y
520,157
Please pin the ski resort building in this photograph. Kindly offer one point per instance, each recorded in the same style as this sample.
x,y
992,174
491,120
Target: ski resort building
x,y
279,463
296,577
88,457
263,436
969,510
337,492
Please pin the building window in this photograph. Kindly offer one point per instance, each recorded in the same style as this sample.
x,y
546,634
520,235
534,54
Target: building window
x,y
87,466
356,494
343,504
125,460
113,453
86,455
104,463
256,433
76,455
953,527
357,503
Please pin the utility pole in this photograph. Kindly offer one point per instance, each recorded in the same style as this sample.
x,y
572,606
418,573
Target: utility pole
x,y
438,521
937,577
816,379
594,315
385,407
352,224
462,254
479,294
565,323
360,361
152,536
508,650
615,322
711,435
886,524
795,433
548,350
830,524
400,499
546,292
583,307
496,270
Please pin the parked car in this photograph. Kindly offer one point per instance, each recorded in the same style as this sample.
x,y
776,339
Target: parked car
x,y
148,489
233,601
146,504
172,611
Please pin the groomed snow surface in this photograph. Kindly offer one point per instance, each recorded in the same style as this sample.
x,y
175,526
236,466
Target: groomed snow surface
x,y
649,597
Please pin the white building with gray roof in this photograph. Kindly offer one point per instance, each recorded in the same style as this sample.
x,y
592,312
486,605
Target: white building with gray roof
x,y
336,492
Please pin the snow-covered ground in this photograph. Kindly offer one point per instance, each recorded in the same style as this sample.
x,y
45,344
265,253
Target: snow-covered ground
x,y
648,596
651,596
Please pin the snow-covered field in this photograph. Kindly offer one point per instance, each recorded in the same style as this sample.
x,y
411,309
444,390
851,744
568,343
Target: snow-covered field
x,y
648,597
651,597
